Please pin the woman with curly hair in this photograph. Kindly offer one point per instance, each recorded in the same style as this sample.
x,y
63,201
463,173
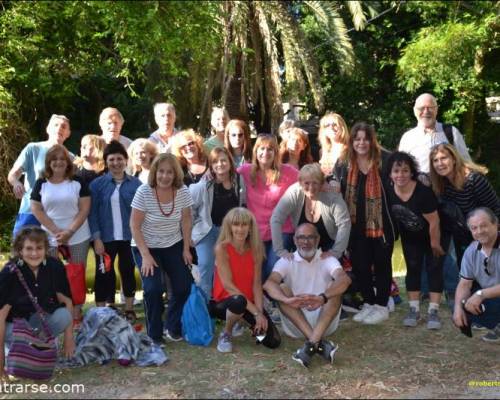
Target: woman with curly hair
x,y
188,148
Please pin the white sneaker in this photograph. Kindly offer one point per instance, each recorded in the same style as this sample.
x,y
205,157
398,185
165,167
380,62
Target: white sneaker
x,y
365,311
378,314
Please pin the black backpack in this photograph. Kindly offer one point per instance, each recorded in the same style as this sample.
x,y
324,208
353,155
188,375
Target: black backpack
x,y
448,131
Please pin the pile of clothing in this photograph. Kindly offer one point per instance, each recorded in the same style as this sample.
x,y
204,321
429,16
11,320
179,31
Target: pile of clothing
x,y
105,335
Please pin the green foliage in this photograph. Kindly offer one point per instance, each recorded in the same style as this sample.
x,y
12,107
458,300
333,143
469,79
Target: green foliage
x,y
448,57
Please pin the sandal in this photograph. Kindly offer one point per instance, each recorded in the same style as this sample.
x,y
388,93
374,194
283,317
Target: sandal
x,y
131,316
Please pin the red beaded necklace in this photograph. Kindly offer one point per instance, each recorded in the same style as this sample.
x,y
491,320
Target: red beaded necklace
x,y
159,204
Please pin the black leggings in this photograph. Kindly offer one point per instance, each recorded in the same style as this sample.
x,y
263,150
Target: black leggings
x,y
417,253
105,284
237,304
372,266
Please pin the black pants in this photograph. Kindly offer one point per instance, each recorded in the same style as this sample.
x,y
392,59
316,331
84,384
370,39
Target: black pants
x,y
417,253
372,267
237,305
105,284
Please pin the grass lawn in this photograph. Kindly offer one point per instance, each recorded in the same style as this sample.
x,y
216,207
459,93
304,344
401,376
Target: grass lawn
x,y
384,361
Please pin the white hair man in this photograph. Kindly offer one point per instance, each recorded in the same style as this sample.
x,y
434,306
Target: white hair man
x,y
429,132
111,122
309,291
165,119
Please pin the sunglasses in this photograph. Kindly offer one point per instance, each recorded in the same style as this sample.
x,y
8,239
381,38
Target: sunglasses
x,y
187,145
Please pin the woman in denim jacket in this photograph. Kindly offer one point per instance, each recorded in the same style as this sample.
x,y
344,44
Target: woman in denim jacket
x,y
109,218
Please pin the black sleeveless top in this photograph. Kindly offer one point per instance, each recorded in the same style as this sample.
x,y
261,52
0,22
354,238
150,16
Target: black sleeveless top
x,y
325,242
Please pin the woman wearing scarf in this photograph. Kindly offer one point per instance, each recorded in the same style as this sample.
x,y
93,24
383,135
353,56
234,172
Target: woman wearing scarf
x,y
373,232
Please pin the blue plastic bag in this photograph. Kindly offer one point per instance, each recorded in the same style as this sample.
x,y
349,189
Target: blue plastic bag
x,y
197,326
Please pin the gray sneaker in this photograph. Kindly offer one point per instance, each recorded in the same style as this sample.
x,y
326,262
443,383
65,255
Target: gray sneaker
x,y
224,344
412,318
327,350
433,320
493,336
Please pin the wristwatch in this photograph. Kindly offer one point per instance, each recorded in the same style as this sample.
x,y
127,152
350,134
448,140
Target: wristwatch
x,y
325,299
479,293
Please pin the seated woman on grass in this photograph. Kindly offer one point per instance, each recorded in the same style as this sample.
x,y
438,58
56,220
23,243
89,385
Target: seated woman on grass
x,y
237,283
47,281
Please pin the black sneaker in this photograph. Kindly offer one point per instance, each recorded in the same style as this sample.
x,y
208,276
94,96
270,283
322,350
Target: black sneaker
x,y
304,354
327,350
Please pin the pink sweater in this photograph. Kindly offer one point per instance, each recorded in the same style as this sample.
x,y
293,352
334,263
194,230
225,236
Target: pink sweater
x,y
262,198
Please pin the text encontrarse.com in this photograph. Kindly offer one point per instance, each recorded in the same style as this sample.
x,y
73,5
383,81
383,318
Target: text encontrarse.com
x,y
6,387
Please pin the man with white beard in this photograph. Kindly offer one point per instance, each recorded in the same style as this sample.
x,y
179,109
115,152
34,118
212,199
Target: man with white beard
x,y
309,291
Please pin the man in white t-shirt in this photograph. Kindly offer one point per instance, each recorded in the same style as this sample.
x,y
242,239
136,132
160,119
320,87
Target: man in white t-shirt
x,y
111,122
308,289
428,133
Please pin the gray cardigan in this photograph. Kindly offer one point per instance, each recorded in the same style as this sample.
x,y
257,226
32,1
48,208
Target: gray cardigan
x,y
333,212
202,193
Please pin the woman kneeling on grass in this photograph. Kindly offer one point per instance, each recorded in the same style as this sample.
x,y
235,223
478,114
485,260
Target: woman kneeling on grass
x,y
237,283
46,279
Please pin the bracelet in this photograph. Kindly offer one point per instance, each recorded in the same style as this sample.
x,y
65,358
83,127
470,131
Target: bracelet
x,y
256,314
325,299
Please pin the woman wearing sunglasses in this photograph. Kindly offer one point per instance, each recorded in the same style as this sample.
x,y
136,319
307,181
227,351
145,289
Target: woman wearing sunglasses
x,y
188,148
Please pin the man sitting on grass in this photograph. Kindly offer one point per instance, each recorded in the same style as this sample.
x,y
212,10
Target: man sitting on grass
x,y
309,291
480,275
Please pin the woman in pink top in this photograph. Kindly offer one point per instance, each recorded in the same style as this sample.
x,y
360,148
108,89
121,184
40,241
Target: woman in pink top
x,y
266,179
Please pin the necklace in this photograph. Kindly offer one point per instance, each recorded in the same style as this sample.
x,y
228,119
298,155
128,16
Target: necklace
x,y
312,208
159,204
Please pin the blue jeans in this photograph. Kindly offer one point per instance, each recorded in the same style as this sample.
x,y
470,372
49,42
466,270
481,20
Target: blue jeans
x,y
206,260
491,316
58,321
272,257
23,219
170,260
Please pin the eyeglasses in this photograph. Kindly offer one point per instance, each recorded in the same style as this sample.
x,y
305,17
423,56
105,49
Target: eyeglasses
x,y
485,263
430,108
306,238
188,144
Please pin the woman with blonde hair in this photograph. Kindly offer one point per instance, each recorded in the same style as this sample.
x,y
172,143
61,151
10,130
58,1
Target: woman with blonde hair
x,y
266,179
161,223
188,148
295,149
218,121
333,137
90,164
461,184
141,154
238,294
237,141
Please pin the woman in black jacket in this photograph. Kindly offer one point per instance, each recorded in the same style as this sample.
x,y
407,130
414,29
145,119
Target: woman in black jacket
x,y
373,232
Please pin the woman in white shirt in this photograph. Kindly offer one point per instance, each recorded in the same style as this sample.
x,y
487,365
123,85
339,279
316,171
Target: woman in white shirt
x,y
161,229
61,202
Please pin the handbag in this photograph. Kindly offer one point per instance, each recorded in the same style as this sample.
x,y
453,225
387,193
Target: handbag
x,y
197,326
33,352
453,220
76,276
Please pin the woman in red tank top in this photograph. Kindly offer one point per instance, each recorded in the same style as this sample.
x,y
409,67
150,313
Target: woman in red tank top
x,y
237,290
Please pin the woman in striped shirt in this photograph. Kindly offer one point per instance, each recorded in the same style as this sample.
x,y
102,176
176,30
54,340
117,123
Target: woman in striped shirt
x,y
161,229
463,184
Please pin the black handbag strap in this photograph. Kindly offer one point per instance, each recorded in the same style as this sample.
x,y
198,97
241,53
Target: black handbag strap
x,y
34,301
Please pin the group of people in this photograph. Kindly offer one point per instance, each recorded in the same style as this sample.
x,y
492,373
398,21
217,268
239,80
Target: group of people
x,y
267,224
